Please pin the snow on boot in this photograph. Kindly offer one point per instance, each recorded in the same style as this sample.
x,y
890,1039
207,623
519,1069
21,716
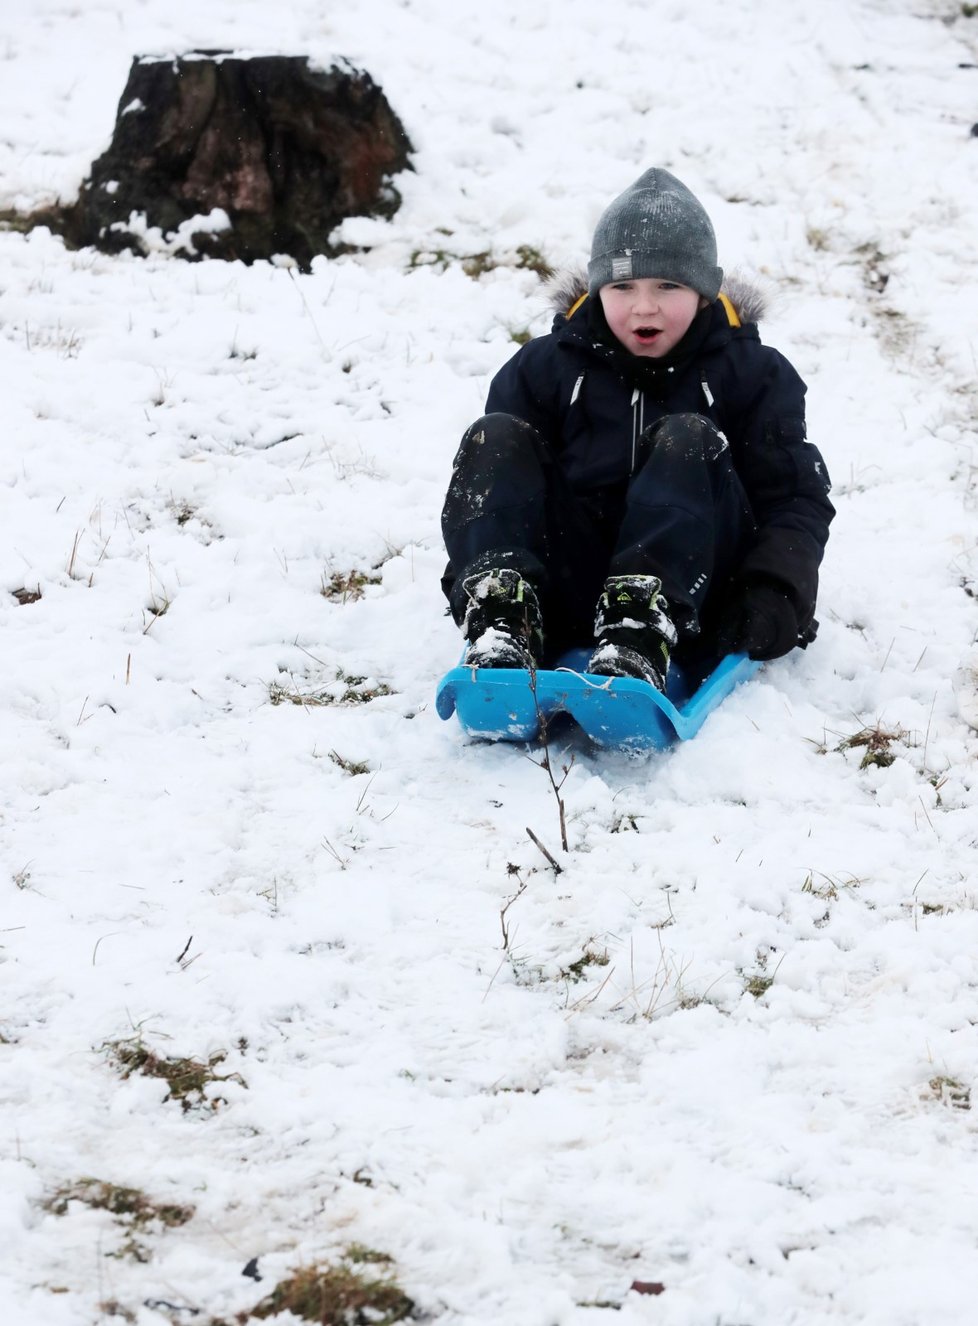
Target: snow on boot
x,y
502,621
634,631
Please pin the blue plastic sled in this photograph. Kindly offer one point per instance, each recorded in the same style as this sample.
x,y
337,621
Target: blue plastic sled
x,y
499,704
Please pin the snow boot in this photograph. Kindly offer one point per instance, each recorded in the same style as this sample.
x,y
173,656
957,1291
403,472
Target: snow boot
x,y
633,630
502,623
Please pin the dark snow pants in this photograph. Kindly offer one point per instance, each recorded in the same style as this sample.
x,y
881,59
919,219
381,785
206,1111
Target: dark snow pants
x,y
682,515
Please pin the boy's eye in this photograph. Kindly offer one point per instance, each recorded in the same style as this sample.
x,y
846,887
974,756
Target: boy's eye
x,y
670,285
622,285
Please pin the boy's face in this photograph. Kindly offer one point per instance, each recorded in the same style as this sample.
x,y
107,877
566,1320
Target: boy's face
x,y
649,316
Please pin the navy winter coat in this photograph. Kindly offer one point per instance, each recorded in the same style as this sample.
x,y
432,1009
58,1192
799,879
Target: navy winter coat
x,y
591,401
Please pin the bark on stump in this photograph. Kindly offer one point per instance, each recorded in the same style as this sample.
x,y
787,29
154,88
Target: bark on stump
x,y
285,150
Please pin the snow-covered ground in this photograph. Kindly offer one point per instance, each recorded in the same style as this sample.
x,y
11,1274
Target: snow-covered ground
x,y
731,1049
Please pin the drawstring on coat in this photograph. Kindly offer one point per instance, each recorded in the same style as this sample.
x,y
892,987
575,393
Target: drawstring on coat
x,y
638,423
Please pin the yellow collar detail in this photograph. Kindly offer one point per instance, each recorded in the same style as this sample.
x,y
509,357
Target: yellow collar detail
x,y
732,315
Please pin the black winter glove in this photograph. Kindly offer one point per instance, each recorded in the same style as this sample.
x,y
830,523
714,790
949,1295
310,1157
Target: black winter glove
x,y
759,620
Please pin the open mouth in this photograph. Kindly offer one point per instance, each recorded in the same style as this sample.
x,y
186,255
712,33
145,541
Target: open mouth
x,y
646,334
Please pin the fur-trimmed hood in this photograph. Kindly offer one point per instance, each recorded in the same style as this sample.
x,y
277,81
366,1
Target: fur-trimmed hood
x,y
566,288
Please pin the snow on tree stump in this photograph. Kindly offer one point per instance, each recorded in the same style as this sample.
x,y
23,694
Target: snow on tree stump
x,y
233,157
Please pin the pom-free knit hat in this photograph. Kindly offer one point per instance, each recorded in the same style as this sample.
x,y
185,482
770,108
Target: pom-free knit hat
x,y
656,228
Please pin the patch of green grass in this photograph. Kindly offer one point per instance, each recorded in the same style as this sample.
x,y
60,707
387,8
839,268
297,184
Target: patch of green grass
x,y
527,258
875,742
951,1092
24,222
591,957
477,264
111,1307
347,586
182,512
351,767
132,1203
624,824
352,690
361,1255
532,260
340,1295
758,984
186,1079
130,1207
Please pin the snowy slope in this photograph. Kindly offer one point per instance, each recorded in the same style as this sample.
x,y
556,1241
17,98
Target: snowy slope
x,y
731,1048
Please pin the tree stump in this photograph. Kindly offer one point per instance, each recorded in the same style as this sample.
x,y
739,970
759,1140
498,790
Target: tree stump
x,y
240,158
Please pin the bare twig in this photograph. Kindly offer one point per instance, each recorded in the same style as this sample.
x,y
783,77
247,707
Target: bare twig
x,y
537,843
546,764
503,923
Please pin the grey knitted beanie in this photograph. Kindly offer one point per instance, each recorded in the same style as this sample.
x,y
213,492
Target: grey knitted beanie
x,y
656,228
